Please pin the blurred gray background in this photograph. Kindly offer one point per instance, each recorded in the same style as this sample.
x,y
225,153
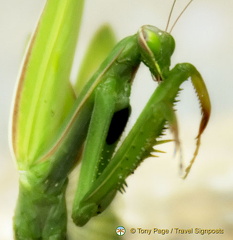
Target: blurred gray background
x,y
156,196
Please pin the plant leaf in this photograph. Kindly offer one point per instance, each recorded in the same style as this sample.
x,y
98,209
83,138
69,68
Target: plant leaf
x,y
44,94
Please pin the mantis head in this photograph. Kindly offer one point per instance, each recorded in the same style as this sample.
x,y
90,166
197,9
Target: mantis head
x,y
156,47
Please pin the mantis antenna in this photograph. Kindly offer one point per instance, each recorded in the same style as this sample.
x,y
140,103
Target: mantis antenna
x,y
170,14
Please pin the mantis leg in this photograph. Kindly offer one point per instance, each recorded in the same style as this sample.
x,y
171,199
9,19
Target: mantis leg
x,y
139,143
95,144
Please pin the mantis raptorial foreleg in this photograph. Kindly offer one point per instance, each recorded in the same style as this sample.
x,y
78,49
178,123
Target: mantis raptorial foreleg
x,y
100,121
140,141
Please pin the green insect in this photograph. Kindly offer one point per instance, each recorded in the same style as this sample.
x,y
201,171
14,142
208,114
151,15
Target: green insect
x,y
94,125
104,171
154,48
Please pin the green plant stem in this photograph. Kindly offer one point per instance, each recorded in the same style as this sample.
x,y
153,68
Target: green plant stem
x,y
40,214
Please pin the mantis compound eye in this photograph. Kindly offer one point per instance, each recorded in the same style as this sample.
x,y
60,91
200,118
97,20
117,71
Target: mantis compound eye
x,y
156,48
152,40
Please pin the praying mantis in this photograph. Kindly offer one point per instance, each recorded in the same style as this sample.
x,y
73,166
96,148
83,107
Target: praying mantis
x,y
88,127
